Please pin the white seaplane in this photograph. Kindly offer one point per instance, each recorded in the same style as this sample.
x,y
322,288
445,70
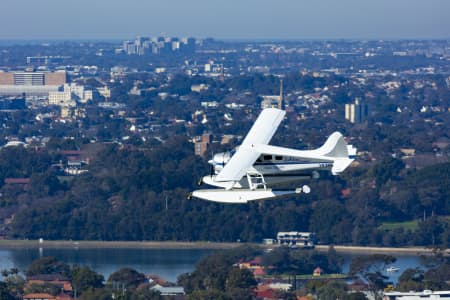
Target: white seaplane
x,y
251,170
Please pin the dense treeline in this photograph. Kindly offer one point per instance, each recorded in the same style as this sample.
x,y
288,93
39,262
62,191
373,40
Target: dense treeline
x,y
140,194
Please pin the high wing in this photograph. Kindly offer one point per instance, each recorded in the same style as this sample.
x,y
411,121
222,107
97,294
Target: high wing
x,y
261,133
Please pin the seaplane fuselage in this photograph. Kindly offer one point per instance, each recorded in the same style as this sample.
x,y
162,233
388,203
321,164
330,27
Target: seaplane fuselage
x,y
276,169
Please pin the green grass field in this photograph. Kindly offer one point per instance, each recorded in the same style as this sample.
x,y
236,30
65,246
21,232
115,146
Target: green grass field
x,y
408,225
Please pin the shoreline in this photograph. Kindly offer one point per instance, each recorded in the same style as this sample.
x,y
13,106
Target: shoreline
x,y
10,244
115,244
382,250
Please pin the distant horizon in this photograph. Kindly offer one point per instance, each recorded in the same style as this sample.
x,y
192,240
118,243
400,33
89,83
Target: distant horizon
x,y
237,40
230,20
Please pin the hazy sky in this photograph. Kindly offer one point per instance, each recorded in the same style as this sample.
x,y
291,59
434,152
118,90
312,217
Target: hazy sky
x,y
225,19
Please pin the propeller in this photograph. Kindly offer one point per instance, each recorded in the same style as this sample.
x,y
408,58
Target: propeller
x,y
211,171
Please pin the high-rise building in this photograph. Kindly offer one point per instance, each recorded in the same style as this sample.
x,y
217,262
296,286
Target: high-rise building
x,y
356,112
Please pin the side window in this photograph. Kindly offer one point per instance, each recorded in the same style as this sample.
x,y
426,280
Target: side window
x,y
278,157
267,157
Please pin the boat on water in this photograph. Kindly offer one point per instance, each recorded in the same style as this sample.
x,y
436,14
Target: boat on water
x,y
392,269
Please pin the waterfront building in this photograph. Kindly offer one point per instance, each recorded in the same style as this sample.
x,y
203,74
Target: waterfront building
x,y
296,239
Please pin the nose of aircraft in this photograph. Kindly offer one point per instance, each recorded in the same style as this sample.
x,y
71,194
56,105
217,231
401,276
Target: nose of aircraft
x,y
218,159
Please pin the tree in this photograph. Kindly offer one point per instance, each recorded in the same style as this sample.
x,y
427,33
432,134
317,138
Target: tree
x,y
438,278
279,258
216,273
144,292
240,278
386,170
126,278
240,284
84,278
4,292
14,282
332,290
211,272
429,232
356,296
335,260
208,295
97,294
411,280
327,215
48,265
370,268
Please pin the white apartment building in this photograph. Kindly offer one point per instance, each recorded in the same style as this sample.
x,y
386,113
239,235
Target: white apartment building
x,y
70,95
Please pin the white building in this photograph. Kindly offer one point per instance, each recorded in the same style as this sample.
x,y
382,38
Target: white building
x,y
296,239
199,87
61,98
70,95
426,294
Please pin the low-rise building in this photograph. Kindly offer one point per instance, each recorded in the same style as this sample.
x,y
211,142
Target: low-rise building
x,y
426,294
297,239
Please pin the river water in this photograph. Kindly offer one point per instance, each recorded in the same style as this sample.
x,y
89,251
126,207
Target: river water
x,y
167,263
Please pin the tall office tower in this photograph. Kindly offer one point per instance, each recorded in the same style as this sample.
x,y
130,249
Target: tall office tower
x,y
356,112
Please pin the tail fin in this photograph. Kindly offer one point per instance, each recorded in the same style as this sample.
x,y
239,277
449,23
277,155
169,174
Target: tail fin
x,y
342,154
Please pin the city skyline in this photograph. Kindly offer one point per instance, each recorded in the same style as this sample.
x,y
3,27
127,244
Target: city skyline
x,y
251,19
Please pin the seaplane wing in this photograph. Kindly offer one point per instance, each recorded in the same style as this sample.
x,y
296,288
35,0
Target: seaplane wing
x,y
260,134
264,127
